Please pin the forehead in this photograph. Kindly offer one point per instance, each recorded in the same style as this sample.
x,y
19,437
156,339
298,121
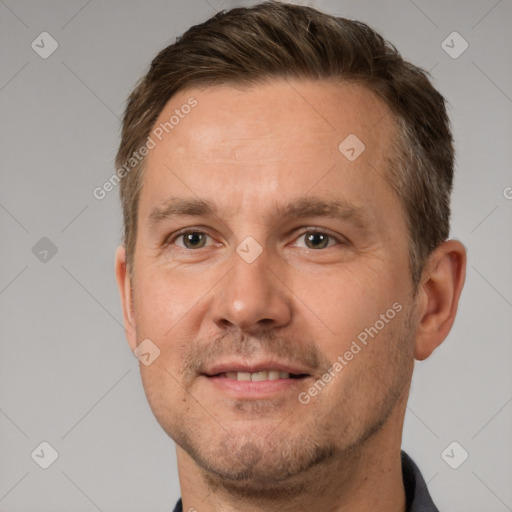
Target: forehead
x,y
282,138
314,112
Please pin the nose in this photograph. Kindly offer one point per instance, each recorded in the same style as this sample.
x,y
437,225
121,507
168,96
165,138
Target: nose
x,y
252,297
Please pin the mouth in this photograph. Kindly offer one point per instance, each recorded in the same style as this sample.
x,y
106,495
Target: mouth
x,y
259,376
256,381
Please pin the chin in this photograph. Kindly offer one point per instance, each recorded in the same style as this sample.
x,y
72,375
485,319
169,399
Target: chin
x,y
252,464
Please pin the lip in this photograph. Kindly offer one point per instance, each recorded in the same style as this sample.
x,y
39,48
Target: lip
x,y
239,366
254,389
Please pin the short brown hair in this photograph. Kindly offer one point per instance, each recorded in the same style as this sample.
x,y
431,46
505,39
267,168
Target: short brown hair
x,y
278,40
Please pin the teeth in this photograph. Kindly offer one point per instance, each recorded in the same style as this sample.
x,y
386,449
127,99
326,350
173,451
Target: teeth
x,y
257,376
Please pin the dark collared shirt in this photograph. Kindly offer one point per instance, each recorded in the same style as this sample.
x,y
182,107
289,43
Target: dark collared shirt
x,y
416,493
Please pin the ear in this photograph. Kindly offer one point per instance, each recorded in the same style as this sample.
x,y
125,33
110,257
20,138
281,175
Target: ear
x,y
125,290
438,296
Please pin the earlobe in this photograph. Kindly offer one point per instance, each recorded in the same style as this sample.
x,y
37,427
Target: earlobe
x,y
438,296
126,293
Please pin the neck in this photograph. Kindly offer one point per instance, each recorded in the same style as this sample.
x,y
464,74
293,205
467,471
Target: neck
x,y
368,477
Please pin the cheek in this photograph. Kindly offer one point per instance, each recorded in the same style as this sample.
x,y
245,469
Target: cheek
x,y
343,303
163,299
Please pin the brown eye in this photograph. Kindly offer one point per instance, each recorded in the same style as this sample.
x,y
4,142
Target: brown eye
x,y
316,240
193,240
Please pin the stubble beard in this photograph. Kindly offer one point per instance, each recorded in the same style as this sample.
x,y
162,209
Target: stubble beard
x,y
284,463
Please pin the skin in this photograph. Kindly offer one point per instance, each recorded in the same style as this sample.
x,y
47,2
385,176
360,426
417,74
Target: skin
x,y
248,151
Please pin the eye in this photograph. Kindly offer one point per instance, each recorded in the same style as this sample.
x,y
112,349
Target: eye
x,y
191,240
316,240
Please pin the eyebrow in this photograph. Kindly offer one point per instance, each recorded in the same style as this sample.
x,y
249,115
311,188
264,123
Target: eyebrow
x,y
318,207
179,207
303,207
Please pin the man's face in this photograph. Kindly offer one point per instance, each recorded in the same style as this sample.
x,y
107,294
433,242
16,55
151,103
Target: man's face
x,y
264,248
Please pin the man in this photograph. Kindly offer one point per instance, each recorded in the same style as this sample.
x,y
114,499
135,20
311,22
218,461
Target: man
x,y
285,182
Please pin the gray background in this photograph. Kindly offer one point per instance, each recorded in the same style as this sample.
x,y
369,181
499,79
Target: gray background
x,y
67,375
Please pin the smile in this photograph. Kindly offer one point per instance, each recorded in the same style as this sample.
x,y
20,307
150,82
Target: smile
x,y
258,376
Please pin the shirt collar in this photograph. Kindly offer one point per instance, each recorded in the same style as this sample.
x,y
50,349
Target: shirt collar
x,y
416,492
